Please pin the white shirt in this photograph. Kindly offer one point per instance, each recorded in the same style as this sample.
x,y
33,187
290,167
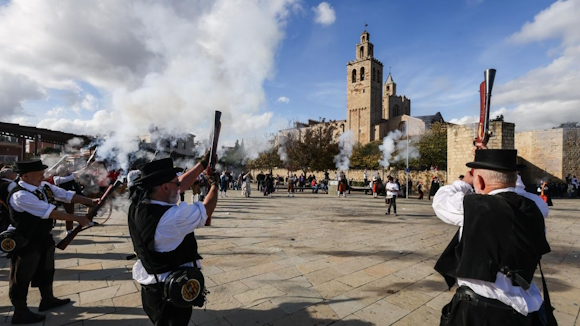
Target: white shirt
x,y
177,222
60,180
24,201
448,205
392,189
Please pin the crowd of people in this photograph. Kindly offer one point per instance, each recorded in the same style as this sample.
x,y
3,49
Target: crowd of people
x,y
29,198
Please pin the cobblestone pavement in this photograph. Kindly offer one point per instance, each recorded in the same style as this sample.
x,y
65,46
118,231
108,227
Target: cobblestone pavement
x,y
310,260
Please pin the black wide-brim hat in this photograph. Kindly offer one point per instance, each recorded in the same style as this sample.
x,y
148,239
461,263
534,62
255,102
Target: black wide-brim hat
x,y
23,167
496,159
157,172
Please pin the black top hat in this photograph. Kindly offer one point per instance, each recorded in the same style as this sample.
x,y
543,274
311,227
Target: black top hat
x,y
29,166
157,172
496,159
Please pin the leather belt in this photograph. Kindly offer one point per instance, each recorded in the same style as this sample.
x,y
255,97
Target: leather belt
x,y
467,294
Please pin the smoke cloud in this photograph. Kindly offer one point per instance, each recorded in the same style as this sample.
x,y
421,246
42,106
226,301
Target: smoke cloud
x,y
346,142
170,64
388,147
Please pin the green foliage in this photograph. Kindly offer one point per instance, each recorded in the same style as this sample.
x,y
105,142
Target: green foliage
x,y
433,147
366,156
267,160
314,151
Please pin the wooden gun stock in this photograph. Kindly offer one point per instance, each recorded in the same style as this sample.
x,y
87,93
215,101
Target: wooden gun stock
x,y
213,150
90,215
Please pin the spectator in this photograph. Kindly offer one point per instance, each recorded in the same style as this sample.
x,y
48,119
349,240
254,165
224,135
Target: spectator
x,y
260,178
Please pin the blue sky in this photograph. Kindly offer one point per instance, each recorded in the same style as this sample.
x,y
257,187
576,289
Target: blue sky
x,y
437,51
89,68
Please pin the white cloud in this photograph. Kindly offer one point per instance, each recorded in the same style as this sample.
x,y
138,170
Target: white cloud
x,y
161,63
89,103
55,112
324,14
546,96
283,99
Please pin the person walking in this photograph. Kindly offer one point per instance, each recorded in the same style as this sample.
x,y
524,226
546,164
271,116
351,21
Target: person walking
x,y
420,190
392,189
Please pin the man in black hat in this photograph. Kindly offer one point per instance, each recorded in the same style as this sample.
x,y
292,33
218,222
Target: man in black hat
x,y
494,254
162,233
32,211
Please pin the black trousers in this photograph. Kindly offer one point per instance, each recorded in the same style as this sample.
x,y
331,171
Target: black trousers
x,y
392,204
469,309
33,264
160,312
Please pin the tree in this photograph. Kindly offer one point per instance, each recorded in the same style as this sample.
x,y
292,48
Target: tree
x,y
433,147
267,160
366,156
568,125
314,151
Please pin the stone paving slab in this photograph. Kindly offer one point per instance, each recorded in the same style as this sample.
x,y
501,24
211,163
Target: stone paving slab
x,y
313,259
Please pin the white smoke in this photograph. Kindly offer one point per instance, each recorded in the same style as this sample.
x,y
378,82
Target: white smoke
x,y
170,64
346,142
388,147
401,149
282,142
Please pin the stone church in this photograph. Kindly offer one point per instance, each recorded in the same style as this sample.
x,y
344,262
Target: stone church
x,y
373,109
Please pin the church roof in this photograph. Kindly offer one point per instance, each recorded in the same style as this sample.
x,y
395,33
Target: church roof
x,y
390,79
430,119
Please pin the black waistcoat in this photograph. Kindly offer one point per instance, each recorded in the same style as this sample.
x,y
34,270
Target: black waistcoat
x,y
503,230
33,228
143,220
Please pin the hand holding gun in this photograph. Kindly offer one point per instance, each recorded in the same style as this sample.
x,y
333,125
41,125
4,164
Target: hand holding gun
x,y
98,202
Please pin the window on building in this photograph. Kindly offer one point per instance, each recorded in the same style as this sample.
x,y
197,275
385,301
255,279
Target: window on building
x,y
354,75
396,110
362,51
167,144
176,146
363,38
373,75
183,145
362,73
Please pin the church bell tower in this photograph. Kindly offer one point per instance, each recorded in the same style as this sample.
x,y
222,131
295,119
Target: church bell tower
x,y
364,91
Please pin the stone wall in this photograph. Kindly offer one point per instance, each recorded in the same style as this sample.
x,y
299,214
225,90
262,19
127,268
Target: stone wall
x,y
541,152
460,144
357,175
571,154
549,154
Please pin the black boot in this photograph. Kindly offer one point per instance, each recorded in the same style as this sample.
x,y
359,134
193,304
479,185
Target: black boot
x,y
48,300
25,316
46,304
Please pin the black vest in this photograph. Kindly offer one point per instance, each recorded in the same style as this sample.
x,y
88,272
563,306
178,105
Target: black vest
x,y
503,230
32,227
143,218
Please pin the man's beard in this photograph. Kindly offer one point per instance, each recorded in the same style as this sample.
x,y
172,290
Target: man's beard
x,y
174,197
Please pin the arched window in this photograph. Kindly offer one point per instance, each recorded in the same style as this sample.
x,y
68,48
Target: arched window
x,y
363,38
373,75
354,75
362,73
396,110
362,51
